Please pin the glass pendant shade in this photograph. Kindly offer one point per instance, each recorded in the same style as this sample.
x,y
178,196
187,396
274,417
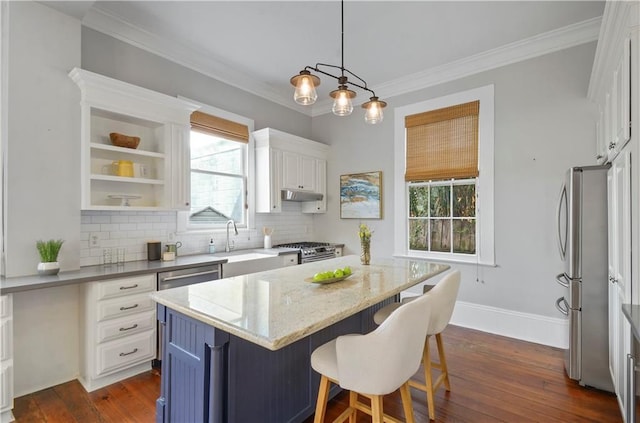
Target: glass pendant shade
x,y
373,110
342,105
305,92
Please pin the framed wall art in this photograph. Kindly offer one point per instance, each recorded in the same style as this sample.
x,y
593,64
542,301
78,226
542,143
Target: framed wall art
x,y
361,195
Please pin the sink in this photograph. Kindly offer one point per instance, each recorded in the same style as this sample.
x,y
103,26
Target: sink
x,y
248,261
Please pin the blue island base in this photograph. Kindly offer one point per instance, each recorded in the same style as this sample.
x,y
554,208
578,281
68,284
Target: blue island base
x,y
209,375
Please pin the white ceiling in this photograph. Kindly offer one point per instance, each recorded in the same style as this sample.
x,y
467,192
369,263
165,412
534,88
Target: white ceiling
x,y
396,46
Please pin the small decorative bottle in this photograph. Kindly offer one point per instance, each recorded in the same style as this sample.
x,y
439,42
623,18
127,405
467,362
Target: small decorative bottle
x,y
212,247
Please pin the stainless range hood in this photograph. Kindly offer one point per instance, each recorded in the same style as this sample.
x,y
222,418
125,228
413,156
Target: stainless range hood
x,y
293,195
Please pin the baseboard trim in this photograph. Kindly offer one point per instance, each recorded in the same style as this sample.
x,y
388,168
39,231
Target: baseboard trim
x,y
543,330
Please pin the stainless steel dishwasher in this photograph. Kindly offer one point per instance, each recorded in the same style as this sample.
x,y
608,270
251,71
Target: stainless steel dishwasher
x,y
183,277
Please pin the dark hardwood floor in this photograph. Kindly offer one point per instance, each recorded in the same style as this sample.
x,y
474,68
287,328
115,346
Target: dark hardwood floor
x,y
493,379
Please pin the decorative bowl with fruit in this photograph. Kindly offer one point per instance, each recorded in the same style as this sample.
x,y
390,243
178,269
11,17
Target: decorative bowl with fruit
x,y
331,276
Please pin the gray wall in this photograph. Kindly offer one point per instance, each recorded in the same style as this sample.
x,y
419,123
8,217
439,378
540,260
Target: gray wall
x,y
543,125
43,140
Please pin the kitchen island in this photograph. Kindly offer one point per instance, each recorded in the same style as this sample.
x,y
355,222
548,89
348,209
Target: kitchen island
x,y
237,349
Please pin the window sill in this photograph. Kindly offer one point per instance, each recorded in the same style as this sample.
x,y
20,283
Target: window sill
x,y
471,260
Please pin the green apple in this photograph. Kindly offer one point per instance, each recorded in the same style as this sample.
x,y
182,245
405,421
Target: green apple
x,y
328,274
338,273
346,271
318,276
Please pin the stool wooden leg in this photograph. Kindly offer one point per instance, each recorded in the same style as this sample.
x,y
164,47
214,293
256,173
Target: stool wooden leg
x,y
323,396
376,409
443,362
353,400
405,393
428,379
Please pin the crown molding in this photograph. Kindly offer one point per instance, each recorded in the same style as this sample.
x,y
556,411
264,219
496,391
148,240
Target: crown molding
x,y
117,27
541,44
538,45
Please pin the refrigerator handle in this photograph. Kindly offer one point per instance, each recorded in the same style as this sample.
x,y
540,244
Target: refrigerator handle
x,y
563,197
564,310
562,280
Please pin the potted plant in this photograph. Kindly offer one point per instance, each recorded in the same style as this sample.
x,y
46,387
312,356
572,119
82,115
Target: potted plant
x,y
48,251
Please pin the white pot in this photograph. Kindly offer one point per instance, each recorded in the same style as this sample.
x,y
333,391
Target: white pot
x,y
51,268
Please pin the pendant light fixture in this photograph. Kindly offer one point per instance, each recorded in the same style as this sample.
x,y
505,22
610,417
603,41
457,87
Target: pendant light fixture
x,y
306,83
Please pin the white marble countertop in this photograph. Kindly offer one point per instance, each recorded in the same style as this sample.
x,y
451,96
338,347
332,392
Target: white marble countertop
x,y
276,308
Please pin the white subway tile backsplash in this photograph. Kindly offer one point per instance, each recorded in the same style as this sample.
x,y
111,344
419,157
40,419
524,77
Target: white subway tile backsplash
x,y
133,229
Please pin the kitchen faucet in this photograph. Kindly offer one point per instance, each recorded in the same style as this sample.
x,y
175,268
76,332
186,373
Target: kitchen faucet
x,y
228,247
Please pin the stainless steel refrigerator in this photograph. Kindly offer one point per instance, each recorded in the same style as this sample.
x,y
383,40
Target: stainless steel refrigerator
x,y
582,241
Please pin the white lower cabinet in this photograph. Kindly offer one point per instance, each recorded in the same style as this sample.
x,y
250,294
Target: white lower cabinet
x,y
6,358
289,259
119,330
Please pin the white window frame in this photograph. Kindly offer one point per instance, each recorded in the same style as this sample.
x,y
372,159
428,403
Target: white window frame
x,y
183,223
485,250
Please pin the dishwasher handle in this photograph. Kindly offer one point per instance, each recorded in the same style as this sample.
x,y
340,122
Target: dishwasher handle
x,y
564,310
189,275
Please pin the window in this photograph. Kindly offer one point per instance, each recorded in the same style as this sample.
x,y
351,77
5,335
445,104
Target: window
x,y
220,159
444,178
442,216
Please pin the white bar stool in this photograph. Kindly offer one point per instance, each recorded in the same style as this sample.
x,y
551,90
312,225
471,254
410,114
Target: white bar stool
x,y
374,364
443,296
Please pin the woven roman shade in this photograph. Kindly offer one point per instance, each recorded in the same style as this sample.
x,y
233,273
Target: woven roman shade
x,y
443,143
219,127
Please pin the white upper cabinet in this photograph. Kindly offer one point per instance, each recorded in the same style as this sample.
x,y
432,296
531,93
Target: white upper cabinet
x,y
142,178
285,161
298,172
610,88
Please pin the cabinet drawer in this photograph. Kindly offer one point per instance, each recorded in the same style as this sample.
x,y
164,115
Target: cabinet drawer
x,y
126,352
119,307
5,306
290,260
125,326
126,286
6,339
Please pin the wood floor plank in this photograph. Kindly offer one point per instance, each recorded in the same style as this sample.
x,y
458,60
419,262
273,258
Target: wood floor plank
x,y
493,379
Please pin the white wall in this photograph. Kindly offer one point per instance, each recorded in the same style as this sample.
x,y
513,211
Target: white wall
x,y
543,125
43,148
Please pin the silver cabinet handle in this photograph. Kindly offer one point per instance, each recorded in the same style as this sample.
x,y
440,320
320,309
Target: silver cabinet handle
x,y
129,328
135,350
562,280
564,310
190,275
122,288
128,308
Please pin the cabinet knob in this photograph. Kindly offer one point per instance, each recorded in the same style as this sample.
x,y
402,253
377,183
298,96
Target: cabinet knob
x,y
612,145
612,279
186,204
